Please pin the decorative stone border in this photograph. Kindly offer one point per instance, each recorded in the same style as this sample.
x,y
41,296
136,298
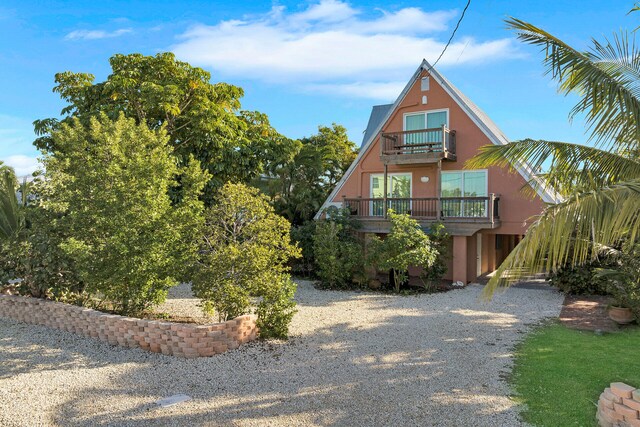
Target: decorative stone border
x,y
619,406
177,339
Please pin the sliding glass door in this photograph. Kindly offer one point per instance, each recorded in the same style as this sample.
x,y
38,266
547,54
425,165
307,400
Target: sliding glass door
x,y
398,187
421,121
459,184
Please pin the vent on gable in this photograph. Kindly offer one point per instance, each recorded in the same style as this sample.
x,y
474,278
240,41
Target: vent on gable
x,y
424,84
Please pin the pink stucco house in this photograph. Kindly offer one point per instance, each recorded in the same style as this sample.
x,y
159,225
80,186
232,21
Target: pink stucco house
x,y
412,160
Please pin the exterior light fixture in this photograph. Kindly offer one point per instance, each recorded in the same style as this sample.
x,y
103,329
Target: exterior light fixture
x,y
424,179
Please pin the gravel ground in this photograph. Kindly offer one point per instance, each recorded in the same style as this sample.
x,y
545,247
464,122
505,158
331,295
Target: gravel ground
x,y
357,359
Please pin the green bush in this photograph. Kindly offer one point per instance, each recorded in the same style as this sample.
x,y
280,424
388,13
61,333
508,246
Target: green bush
x,y
36,258
243,260
106,191
338,253
405,246
623,278
302,235
580,280
439,239
29,246
276,309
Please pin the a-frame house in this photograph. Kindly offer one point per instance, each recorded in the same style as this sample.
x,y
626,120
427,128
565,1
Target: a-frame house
x,y
412,161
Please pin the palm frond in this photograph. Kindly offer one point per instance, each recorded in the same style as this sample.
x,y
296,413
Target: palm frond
x,y
605,79
568,167
573,231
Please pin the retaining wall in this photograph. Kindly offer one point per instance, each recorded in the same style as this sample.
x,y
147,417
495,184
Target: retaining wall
x,y
619,406
177,339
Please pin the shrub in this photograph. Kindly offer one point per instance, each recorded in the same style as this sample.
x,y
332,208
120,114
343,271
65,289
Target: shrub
x,y
277,308
106,189
302,235
623,278
338,254
29,248
406,245
244,254
439,239
36,258
580,280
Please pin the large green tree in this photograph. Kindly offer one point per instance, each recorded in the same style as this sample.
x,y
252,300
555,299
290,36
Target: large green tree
x,y
599,185
300,179
106,193
201,119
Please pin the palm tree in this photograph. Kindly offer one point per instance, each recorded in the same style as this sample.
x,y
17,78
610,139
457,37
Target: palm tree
x,y
599,185
11,218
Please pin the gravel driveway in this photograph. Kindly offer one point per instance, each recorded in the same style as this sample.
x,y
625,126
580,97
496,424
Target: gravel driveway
x,y
360,359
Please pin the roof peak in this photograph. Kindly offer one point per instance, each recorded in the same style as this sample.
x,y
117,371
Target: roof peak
x,y
481,119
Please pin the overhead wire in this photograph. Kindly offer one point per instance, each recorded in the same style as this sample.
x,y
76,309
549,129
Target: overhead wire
x,y
452,35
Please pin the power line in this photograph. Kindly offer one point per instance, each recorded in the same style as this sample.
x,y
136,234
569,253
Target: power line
x,y
452,35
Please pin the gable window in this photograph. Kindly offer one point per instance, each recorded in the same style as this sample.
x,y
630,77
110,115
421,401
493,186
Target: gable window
x,y
457,185
416,122
398,193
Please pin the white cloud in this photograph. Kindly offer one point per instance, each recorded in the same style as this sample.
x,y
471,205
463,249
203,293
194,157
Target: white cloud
x,y
96,34
331,45
325,11
371,90
410,20
23,165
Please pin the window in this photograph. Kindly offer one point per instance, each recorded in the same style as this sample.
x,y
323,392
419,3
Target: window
x,y
425,120
398,190
464,184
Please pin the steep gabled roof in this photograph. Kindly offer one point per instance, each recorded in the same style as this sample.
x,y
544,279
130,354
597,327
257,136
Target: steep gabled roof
x,y
484,123
378,113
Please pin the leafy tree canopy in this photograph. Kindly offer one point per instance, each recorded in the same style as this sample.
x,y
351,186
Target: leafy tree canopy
x,y
306,172
201,119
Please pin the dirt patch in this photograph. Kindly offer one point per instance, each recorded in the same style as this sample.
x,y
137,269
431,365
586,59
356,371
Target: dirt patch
x,y
587,313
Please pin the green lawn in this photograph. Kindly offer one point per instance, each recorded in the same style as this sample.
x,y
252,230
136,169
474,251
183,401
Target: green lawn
x,y
560,373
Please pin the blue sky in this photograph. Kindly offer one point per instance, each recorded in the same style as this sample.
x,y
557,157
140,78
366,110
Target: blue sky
x,y
304,64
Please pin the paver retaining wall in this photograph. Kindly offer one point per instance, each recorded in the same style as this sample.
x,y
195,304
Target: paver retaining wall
x,y
177,339
619,406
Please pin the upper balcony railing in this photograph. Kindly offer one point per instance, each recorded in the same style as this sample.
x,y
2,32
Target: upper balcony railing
x,y
418,146
454,209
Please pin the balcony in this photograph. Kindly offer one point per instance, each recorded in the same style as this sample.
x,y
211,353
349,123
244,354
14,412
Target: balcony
x,y
418,146
461,215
